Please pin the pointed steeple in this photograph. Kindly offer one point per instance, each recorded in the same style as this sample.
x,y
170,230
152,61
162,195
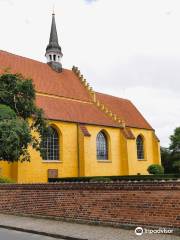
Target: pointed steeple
x,y
53,50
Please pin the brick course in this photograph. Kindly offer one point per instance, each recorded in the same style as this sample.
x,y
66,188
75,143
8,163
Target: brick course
x,y
123,203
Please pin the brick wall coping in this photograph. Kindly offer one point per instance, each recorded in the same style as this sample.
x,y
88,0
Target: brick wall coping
x,y
125,202
122,185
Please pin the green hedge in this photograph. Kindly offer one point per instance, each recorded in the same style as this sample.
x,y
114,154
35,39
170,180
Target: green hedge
x,y
6,180
117,178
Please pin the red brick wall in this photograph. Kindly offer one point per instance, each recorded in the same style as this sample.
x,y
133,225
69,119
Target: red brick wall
x,y
138,203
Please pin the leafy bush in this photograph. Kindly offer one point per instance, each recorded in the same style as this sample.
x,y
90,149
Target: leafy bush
x,y
6,180
100,179
155,169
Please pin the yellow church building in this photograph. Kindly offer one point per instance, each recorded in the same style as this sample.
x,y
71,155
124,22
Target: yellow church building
x,y
94,134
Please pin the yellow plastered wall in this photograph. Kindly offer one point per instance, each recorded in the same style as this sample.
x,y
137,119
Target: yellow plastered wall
x,y
124,169
78,155
156,149
151,153
9,170
5,169
14,171
37,169
95,167
81,165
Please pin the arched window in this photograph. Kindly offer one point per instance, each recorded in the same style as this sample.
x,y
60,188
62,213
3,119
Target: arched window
x,y
140,147
102,146
50,145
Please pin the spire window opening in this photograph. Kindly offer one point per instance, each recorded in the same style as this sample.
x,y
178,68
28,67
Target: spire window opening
x,y
50,57
54,57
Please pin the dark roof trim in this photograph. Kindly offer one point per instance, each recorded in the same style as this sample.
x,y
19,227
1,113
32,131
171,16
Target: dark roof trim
x,y
84,130
127,133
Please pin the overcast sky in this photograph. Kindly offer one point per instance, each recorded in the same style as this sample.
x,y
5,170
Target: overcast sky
x,y
126,48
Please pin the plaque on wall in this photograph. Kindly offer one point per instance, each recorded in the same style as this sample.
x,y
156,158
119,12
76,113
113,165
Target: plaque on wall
x,y
52,173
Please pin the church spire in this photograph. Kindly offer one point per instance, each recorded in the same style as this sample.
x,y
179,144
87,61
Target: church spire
x,y
53,36
53,50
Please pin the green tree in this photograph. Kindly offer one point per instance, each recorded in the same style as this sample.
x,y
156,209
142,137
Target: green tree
x,y
166,160
175,150
175,141
171,156
17,107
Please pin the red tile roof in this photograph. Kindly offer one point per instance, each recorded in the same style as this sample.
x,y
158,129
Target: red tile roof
x,y
73,111
125,110
66,86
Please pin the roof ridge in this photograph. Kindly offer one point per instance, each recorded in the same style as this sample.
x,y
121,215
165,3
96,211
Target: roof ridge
x,y
141,115
98,104
34,60
16,55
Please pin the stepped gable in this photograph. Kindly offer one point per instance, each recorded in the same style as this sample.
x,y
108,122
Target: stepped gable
x,y
125,110
73,111
46,80
63,96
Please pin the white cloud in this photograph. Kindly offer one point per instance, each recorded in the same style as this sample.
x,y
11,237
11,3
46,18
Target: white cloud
x,y
159,106
126,48
90,1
